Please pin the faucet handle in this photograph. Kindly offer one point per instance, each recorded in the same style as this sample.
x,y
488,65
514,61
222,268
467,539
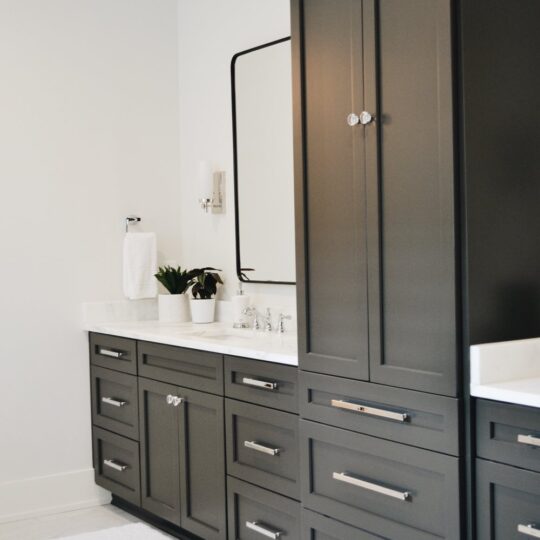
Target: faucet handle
x,y
268,320
281,322
251,311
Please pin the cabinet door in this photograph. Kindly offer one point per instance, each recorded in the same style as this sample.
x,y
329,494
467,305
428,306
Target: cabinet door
x,y
507,502
410,194
202,456
330,189
160,457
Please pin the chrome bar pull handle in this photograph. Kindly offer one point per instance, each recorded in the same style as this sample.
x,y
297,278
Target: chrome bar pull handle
x,y
111,353
370,486
372,411
253,445
113,402
267,385
529,530
263,531
116,465
528,439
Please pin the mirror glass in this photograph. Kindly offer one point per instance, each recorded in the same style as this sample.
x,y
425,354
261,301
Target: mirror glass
x,y
263,155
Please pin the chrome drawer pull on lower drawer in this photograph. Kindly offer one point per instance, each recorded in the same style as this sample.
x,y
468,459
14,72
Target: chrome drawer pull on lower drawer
x,y
252,445
254,526
529,530
528,439
344,477
109,352
373,411
113,402
115,465
260,384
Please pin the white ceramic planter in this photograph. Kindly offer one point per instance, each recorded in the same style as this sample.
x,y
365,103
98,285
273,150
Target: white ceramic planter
x,y
202,311
173,308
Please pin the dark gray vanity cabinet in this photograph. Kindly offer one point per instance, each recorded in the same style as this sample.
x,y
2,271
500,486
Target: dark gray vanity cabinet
x,y
375,192
158,445
183,457
202,464
263,476
377,253
507,471
181,431
160,450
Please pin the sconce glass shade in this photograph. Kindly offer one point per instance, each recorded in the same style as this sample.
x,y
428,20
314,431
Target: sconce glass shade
x,y
206,180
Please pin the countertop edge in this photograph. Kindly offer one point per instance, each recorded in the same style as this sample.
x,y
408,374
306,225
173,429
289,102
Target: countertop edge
x,y
201,344
505,395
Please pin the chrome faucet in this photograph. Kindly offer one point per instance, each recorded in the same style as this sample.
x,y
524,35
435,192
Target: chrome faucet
x,y
281,322
268,320
252,312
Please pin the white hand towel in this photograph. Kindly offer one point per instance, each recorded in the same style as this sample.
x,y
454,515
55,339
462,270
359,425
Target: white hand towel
x,y
140,265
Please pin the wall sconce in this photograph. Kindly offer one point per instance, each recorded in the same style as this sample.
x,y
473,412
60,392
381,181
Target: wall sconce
x,y
211,186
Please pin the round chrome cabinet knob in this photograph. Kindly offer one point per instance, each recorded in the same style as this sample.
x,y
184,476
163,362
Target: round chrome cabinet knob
x,y
366,118
353,119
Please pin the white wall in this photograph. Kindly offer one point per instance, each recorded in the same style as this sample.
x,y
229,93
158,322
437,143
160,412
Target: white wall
x,y
88,134
210,32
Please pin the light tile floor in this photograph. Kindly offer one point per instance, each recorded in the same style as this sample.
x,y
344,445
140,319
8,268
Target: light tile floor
x,y
66,524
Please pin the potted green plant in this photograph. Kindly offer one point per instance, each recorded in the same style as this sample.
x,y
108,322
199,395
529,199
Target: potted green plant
x,y
173,307
203,290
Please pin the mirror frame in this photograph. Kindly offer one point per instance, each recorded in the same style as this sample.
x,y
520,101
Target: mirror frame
x,y
235,163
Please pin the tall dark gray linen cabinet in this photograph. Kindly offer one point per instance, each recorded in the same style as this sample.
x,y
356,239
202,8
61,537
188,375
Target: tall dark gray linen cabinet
x,y
379,267
416,130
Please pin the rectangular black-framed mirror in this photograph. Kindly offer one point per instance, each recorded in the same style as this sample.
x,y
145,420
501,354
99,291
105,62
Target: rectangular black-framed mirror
x,y
261,79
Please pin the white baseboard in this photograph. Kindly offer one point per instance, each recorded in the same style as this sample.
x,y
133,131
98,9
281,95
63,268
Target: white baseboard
x,y
49,495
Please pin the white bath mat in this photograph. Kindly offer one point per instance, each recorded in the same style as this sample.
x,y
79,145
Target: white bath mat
x,y
133,531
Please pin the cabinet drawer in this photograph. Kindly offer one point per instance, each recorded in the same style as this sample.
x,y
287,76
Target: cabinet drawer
x,y
114,353
508,502
262,447
115,401
263,383
199,370
405,416
116,465
256,514
508,433
388,489
318,527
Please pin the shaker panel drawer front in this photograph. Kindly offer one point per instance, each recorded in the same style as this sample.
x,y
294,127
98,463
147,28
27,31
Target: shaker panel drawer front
x,y
190,368
113,352
508,433
116,465
256,514
405,416
386,488
318,527
263,383
115,402
262,447
508,502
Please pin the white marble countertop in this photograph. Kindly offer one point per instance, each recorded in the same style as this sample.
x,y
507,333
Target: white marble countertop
x,y
217,337
507,371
